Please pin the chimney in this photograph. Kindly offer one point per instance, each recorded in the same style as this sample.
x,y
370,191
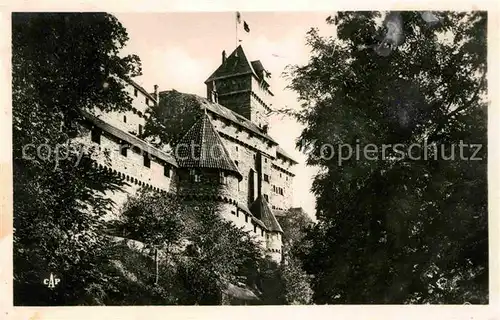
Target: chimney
x,y
156,92
223,56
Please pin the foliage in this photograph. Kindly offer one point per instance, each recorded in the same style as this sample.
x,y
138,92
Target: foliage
x,y
296,284
394,229
207,251
171,118
297,289
154,219
294,224
62,63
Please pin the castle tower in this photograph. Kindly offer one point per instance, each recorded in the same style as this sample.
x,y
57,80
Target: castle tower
x,y
241,85
260,209
207,174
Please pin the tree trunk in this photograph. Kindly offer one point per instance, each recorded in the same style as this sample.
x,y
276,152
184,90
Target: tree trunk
x,y
156,266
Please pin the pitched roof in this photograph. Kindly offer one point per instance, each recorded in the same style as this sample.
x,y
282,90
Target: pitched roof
x,y
235,64
130,139
260,209
204,148
229,115
281,151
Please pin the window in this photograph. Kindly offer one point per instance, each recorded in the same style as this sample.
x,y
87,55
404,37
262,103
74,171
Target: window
x,y
280,174
255,228
125,119
262,232
140,129
147,161
236,162
233,213
96,135
266,197
246,218
147,101
266,178
195,175
222,178
265,160
123,150
166,170
135,92
236,148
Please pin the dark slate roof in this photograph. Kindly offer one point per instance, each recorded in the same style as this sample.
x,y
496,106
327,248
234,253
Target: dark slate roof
x,y
229,115
141,89
282,152
208,151
130,139
257,66
240,292
236,64
260,209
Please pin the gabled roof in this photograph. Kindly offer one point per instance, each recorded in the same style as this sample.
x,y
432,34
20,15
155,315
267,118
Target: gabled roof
x,y
226,114
260,209
202,147
129,139
235,64
282,152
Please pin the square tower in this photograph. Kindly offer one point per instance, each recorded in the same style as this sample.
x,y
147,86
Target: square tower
x,y
241,85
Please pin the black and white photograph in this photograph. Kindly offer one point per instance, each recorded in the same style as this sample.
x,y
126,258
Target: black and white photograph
x,y
250,158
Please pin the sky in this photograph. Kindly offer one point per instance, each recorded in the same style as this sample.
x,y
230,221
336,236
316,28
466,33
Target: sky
x,y
180,51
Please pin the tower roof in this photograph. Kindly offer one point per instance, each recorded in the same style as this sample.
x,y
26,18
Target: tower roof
x,y
202,147
260,209
235,64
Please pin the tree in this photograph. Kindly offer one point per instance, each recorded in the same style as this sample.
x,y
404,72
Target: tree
x,y
62,63
219,253
295,282
154,219
392,229
172,117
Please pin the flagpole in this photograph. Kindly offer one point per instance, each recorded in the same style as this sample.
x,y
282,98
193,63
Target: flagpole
x,y
236,22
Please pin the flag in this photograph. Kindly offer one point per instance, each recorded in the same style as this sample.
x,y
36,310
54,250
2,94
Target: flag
x,y
246,27
238,17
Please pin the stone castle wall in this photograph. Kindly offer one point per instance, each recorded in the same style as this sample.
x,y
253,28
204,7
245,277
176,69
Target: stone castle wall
x,y
252,153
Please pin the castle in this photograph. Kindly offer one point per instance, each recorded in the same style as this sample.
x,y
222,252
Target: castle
x,y
226,157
